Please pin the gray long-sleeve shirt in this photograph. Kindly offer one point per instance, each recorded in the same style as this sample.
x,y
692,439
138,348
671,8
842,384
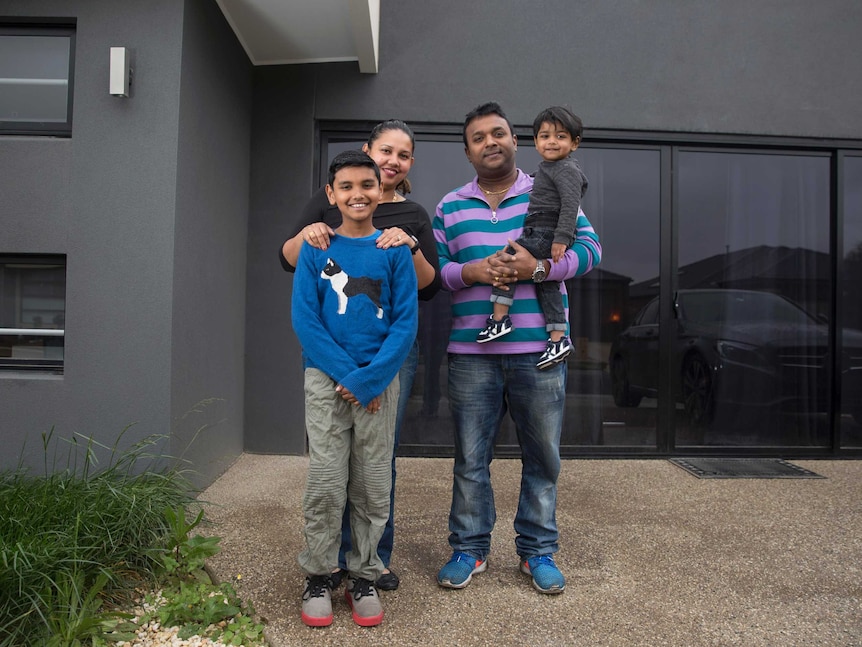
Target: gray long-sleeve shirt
x,y
559,186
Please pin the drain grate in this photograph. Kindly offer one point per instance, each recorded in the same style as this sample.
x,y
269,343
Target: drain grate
x,y
743,468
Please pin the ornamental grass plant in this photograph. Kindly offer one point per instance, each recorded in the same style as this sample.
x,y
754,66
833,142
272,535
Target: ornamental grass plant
x,y
80,542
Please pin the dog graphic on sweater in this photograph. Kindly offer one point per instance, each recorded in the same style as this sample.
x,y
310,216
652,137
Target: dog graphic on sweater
x,y
350,286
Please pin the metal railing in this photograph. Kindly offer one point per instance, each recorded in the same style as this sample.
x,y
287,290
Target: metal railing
x,y
34,332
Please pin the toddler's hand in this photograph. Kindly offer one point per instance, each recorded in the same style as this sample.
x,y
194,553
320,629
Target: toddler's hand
x,y
558,250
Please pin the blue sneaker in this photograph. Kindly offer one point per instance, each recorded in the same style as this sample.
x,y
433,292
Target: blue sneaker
x,y
547,578
459,570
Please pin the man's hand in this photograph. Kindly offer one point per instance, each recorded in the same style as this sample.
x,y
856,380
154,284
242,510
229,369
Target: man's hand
x,y
501,267
509,268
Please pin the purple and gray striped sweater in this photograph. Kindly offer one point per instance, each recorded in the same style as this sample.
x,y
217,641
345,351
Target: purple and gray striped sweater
x,y
465,233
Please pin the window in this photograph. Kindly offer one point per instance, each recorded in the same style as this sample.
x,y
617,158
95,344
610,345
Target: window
x,y
741,349
754,237
32,312
623,204
36,69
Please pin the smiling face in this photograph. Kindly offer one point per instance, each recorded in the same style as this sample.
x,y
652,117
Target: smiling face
x,y
356,191
491,146
393,153
554,143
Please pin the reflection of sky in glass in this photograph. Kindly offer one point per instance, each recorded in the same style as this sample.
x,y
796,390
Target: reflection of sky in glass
x,y
734,201
852,204
34,78
34,57
622,201
623,204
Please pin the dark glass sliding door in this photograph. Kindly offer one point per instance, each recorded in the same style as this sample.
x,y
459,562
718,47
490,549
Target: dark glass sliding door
x,y
751,347
711,322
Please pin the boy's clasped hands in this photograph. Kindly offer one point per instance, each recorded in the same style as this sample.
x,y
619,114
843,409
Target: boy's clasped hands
x,y
344,392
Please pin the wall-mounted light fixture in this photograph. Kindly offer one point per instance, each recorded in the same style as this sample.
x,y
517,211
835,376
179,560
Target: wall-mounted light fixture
x,y
120,71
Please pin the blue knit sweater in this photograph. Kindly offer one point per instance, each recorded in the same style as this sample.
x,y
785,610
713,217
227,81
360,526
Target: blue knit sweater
x,y
355,312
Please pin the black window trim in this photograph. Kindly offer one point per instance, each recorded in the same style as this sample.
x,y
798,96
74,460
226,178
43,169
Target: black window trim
x,y
45,366
43,26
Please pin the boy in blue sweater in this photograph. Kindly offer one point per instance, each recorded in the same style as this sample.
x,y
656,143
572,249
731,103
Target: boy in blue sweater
x,y
354,310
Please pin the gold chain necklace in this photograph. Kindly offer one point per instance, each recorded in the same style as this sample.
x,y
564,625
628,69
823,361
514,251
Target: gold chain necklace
x,y
501,192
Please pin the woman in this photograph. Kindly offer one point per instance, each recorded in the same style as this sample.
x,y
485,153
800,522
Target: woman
x,y
403,222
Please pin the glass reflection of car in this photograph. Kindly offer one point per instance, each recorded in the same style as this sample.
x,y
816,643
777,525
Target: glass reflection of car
x,y
736,348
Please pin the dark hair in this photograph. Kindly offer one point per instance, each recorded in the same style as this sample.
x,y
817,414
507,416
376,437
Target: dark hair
x,y
390,124
349,159
560,117
385,126
490,108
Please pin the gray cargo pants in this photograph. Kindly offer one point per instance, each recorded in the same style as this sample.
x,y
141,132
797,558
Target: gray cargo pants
x,y
350,453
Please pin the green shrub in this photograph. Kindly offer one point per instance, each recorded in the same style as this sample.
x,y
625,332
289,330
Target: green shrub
x,y
76,535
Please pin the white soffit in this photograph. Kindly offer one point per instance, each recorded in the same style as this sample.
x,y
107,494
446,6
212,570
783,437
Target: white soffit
x,y
284,32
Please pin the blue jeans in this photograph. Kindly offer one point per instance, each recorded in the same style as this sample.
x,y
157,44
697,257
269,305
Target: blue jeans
x,y
482,388
406,375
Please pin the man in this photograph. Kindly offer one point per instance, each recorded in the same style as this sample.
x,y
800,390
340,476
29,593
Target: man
x,y
472,226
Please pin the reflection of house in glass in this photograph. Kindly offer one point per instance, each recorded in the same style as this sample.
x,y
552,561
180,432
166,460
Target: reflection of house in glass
x,y
600,289
750,335
851,287
801,275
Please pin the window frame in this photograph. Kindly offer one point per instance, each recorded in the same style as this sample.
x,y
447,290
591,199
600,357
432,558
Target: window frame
x,y
42,365
47,27
671,145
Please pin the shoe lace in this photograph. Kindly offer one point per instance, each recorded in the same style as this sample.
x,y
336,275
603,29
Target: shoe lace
x,y
317,585
544,560
362,588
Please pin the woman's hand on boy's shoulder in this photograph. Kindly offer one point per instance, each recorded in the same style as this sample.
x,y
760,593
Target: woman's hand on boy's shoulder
x,y
317,234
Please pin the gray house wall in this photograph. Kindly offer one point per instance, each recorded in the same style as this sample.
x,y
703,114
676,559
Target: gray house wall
x,y
771,67
209,253
153,227
282,151
171,205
